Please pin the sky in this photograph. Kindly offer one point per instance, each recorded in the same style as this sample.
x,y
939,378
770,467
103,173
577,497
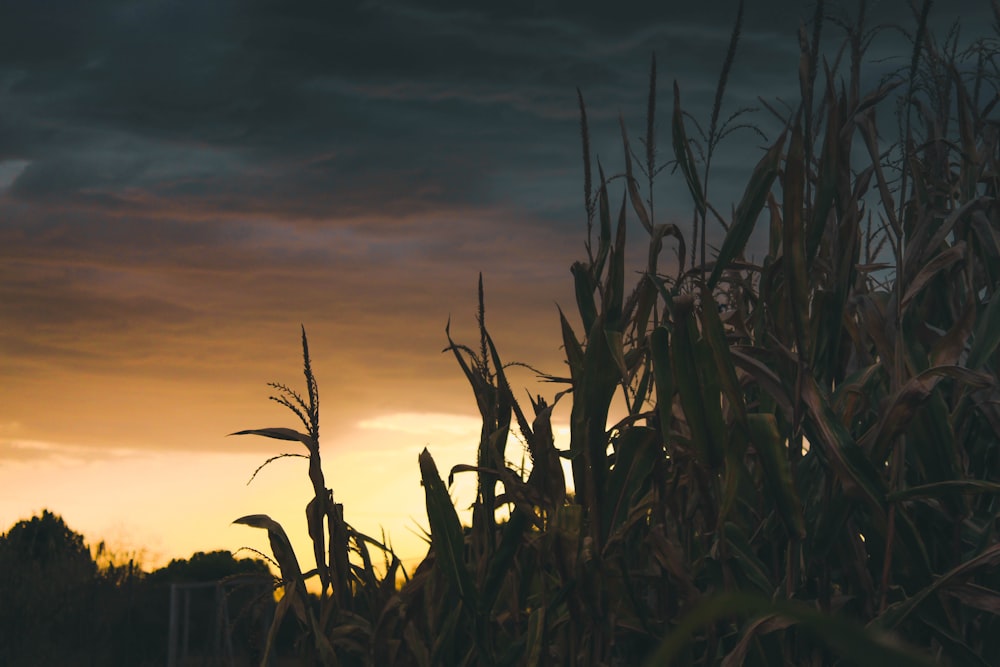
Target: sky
x,y
183,185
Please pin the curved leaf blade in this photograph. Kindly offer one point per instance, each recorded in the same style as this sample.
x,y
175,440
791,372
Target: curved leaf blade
x,y
750,206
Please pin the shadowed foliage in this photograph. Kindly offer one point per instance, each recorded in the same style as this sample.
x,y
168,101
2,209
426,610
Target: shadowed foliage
x,y
62,607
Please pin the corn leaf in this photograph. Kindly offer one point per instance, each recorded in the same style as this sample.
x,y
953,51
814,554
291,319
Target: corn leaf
x,y
663,377
536,636
902,406
946,488
861,646
715,336
793,240
751,204
986,336
897,613
280,433
773,456
694,396
684,156
574,351
585,294
633,189
830,168
746,561
446,531
636,450
858,476
294,590
941,261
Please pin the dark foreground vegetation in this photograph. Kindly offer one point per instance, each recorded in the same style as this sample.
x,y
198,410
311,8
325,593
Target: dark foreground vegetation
x,y
808,472
60,607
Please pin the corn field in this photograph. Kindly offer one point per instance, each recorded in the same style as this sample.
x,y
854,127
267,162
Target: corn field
x,y
808,472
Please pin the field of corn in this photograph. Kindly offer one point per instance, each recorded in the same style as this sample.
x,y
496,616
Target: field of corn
x,y
808,472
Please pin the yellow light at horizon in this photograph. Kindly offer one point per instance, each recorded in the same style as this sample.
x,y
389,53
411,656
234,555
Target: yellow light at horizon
x,y
424,423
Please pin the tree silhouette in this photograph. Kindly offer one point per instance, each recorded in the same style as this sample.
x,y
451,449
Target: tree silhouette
x,y
211,566
46,541
46,572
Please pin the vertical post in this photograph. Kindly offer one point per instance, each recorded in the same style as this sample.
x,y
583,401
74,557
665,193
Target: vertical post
x,y
265,618
186,629
172,634
217,627
227,626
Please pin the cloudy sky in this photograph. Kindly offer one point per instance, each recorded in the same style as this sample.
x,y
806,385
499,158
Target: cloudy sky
x,y
183,184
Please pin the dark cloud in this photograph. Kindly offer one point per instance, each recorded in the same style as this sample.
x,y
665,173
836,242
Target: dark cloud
x,y
338,112
312,106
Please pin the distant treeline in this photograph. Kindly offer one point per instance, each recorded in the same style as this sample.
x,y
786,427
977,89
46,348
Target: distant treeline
x,y
63,605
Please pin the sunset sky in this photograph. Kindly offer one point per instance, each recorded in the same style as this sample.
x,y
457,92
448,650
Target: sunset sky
x,y
182,184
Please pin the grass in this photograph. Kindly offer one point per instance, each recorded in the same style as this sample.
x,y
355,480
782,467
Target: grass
x,y
809,469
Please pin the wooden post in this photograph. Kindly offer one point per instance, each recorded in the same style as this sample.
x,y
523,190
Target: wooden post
x,y
172,634
227,628
186,628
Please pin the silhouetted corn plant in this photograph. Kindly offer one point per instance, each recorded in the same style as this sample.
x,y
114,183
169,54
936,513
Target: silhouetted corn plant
x,y
353,594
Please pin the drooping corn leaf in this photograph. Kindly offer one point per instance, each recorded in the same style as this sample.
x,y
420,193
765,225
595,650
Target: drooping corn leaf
x,y
295,596
861,646
946,488
941,261
901,407
986,336
896,613
280,433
